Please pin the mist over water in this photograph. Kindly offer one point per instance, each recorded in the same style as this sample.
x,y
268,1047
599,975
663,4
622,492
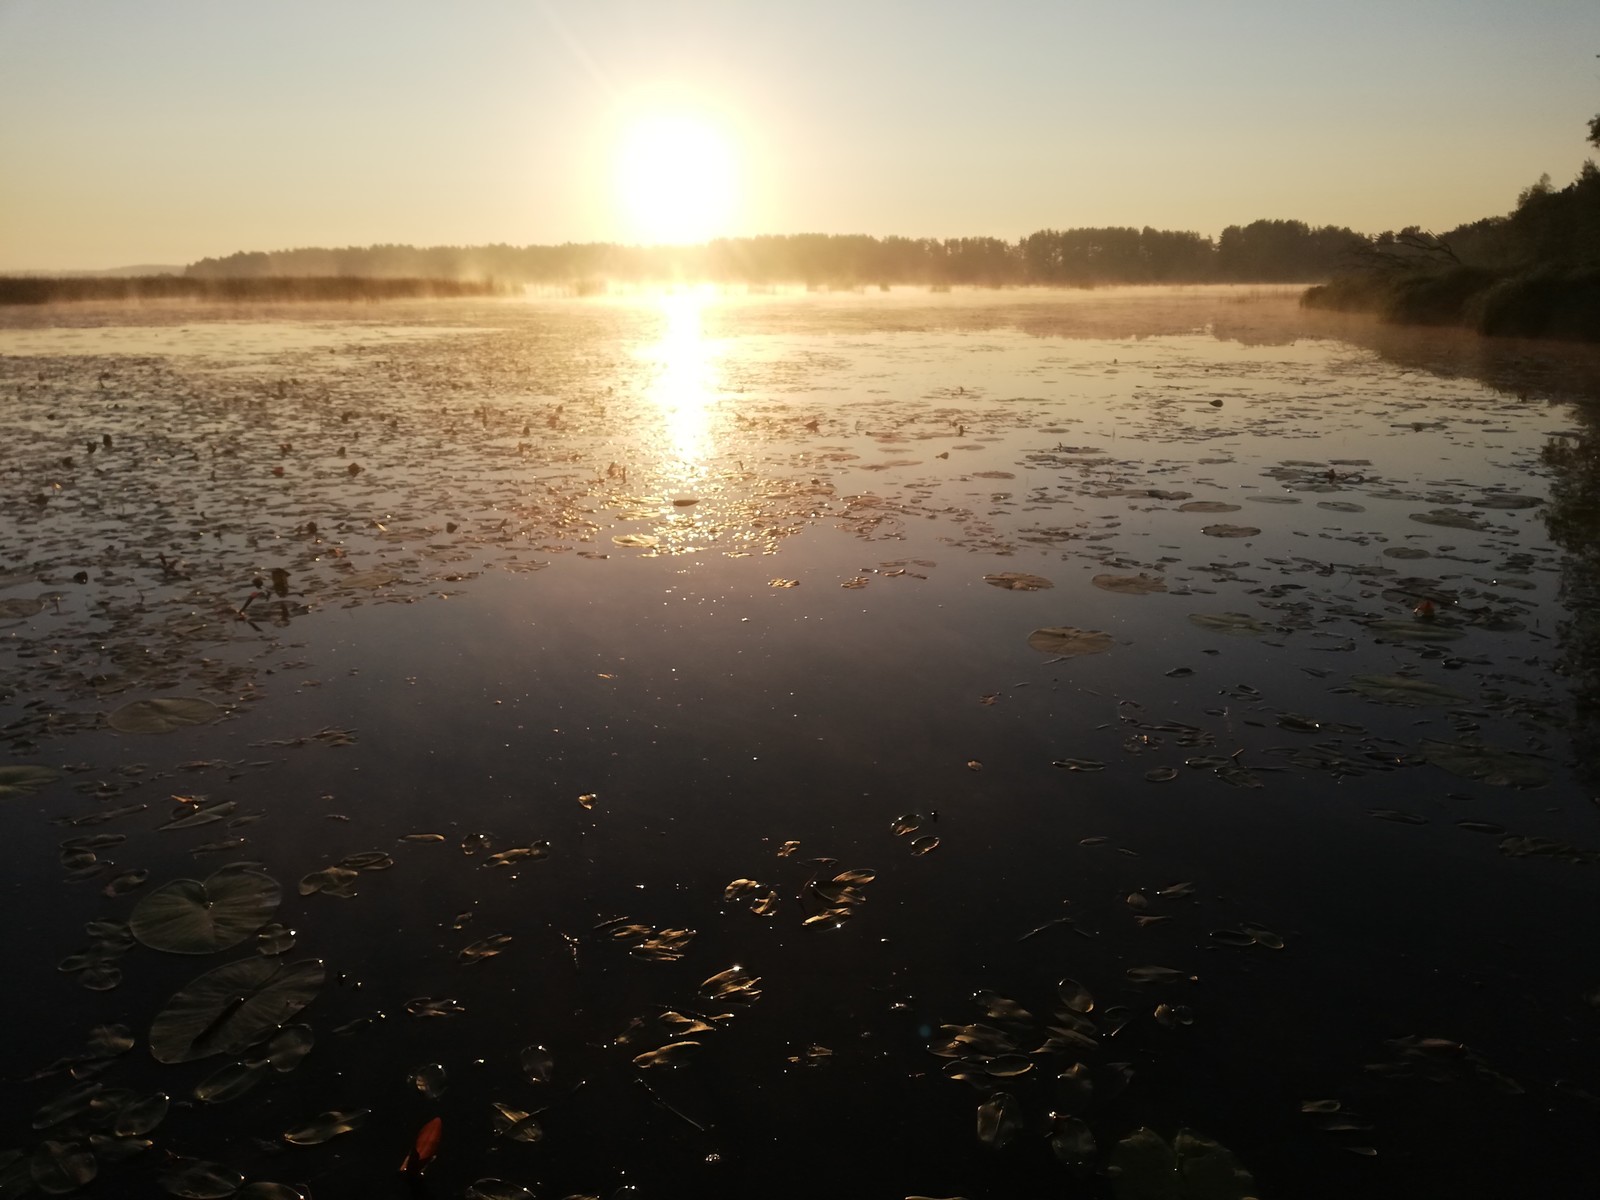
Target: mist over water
x,y
893,744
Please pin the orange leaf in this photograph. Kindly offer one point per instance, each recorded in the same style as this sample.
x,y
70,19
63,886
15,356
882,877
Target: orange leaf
x,y
427,1146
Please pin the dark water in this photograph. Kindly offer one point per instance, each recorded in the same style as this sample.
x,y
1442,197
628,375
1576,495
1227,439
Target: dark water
x,y
718,567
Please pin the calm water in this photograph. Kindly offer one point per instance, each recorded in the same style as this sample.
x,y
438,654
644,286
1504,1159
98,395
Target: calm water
x,y
698,606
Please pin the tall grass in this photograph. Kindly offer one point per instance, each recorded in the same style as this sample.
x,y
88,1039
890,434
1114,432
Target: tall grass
x,y
47,290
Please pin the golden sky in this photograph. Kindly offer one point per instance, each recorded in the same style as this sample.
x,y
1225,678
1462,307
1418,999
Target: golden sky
x,y
170,130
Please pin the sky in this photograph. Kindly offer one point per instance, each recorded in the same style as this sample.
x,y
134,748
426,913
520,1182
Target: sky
x,y
165,131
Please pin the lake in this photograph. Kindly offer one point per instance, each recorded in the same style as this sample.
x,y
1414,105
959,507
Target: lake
x,y
792,744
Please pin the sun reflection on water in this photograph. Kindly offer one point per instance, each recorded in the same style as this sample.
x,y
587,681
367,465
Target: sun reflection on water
x,y
684,387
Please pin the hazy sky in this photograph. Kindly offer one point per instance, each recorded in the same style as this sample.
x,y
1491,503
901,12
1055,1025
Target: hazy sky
x,y
163,131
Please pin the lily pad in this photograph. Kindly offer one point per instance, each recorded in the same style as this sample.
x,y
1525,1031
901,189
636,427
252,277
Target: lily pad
x,y
1491,764
1130,585
138,1117
190,917
16,607
197,1180
1208,506
1449,518
325,1127
1018,581
229,1008
60,1167
1145,1167
1402,629
230,1082
163,715
366,579
1064,641
1236,624
999,1119
23,779
1230,531
1401,689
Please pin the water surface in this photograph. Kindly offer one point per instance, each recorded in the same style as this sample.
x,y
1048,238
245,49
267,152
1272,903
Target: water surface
x,y
677,592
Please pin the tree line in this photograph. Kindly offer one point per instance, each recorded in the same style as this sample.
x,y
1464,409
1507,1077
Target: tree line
x,y
1262,251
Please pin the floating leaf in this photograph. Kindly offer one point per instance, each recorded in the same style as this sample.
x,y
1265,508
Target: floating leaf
x,y
515,1124
1145,1167
163,715
24,780
325,1127
1449,518
110,1150
1064,641
673,1054
262,1190
274,939
71,1103
138,1117
1402,689
230,1082
1156,974
1018,581
334,881
227,1009
17,607
497,1189
286,1047
537,1064
999,1120
1411,630
1230,531
733,984
195,1179
486,948
1239,624
1130,585
1071,1142
1075,996
1208,506
1074,1089
60,1167
1492,764
427,1006
365,579
641,540
190,917
429,1080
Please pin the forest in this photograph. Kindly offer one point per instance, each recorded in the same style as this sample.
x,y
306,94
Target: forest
x,y
1262,251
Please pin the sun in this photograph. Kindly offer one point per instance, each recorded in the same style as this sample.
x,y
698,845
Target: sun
x,y
676,179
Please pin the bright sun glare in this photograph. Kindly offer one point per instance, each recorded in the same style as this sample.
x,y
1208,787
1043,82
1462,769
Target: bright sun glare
x,y
676,179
